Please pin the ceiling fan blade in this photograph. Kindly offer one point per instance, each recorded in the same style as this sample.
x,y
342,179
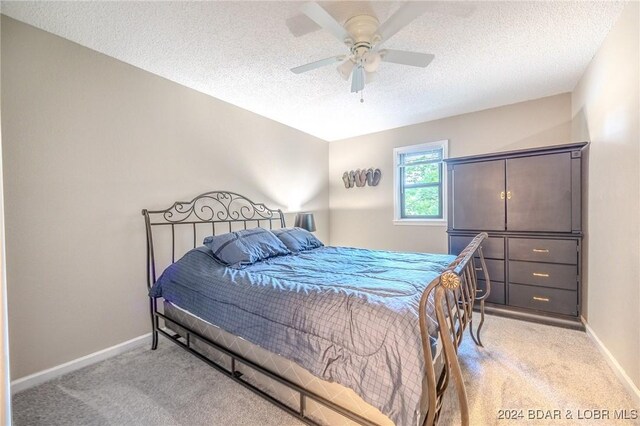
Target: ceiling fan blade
x,y
357,79
300,25
403,57
317,64
453,8
321,17
403,16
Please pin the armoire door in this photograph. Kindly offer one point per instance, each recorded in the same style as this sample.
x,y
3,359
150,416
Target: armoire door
x,y
478,195
539,193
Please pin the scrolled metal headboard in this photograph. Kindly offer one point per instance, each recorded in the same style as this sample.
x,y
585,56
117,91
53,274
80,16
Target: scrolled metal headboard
x,y
208,208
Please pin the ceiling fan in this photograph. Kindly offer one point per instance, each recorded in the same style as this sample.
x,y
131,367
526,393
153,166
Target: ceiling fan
x,y
364,35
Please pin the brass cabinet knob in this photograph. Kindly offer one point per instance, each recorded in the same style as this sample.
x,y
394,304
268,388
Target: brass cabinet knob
x,y
502,195
508,195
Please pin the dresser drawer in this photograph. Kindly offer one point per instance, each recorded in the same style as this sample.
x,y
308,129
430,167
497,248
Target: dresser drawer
x,y
492,247
542,250
543,274
497,291
495,268
544,299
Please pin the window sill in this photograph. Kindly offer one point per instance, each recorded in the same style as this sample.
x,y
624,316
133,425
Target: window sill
x,y
421,222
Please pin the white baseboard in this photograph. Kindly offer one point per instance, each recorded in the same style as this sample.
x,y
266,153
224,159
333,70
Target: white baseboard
x,y
57,371
617,368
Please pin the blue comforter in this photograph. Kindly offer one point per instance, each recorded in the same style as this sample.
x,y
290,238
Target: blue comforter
x,y
346,315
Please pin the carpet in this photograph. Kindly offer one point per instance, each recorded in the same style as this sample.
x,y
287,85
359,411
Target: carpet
x,y
523,366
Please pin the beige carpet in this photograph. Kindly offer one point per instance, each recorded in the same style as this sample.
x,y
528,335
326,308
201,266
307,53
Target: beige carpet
x,y
523,366
526,366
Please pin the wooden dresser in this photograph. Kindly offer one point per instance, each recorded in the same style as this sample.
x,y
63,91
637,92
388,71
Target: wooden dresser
x,y
530,204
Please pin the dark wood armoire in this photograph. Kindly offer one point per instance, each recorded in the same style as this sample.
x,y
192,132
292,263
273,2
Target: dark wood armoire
x,y
530,204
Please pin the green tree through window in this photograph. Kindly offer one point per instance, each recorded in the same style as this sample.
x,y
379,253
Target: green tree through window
x,y
421,183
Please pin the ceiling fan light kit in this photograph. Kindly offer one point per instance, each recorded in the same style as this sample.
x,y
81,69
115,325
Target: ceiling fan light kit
x,y
345,68
363,35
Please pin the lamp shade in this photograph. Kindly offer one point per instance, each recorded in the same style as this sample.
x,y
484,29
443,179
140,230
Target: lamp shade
x,y
305,221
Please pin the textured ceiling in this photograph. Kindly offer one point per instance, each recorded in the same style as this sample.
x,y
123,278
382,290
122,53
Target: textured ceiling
x,y
241,52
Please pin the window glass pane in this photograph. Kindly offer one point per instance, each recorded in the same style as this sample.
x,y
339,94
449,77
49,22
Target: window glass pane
x,y
420,184
422,173
435,155
422,201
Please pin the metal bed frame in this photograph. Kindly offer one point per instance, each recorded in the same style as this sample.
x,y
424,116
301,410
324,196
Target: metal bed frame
x,y
454,294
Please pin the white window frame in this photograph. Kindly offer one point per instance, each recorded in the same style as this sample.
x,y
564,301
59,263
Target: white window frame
x,y
397,219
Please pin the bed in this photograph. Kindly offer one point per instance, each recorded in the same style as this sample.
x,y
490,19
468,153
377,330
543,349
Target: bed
x,y
332,335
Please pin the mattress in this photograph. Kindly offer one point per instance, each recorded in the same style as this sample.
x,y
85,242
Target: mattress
x,y
334,392
348,316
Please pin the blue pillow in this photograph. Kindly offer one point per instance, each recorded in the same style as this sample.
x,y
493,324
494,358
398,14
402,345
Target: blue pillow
x,y
246,247
297,239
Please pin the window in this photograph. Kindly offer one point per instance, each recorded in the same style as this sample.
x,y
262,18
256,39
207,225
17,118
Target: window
x,y
420,183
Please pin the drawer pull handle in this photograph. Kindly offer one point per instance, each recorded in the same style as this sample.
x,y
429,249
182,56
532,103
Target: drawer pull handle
x,y
541,299
479,291
539,274
541,250
478,268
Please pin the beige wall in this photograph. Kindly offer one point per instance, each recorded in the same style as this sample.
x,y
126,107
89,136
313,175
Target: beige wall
x,y
89,141
606,111
363,216
5,392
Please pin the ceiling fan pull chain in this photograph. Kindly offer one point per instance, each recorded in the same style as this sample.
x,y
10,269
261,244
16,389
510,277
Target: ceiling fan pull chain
x,y
362,93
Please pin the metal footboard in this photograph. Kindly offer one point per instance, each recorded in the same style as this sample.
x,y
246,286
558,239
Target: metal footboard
x,y
454,295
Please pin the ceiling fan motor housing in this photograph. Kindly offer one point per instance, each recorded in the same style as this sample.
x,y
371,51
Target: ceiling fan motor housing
x,y
363,30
